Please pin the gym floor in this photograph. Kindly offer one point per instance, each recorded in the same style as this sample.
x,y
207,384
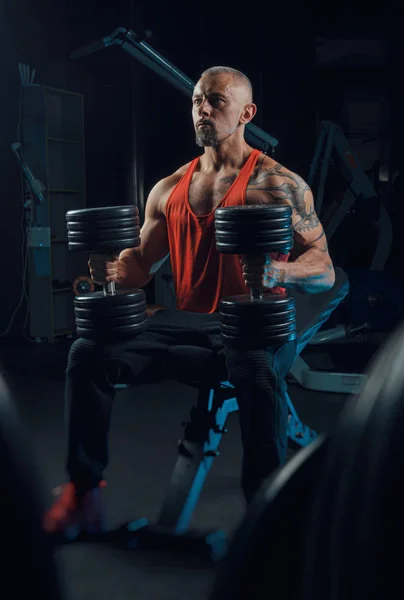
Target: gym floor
x,y
145,426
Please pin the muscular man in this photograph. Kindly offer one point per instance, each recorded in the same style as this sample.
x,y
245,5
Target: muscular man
x,y
180,220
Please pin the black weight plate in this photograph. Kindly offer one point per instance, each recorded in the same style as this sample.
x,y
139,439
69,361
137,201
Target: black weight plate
x,y
259,334
100,246
254,341
110,311
110,323
259,319
253,212
358,509
266,224
103,224
107,212
100,300
103,234
254,247
268,543
117,333
261,235
257,239
242,305
243,330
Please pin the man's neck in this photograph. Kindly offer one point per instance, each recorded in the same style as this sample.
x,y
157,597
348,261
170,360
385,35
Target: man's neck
x,y
225,156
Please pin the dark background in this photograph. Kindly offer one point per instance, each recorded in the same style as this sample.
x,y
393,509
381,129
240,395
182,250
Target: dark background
x,y
274,45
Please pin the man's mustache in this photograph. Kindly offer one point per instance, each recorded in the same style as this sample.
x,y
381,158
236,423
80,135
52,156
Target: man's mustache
x,y
204,122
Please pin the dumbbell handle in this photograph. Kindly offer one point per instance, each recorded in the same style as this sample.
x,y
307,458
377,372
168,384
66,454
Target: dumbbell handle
x,y
109,288
256,295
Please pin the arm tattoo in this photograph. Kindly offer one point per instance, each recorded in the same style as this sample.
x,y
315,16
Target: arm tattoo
x,y
254,178
325,249
292,189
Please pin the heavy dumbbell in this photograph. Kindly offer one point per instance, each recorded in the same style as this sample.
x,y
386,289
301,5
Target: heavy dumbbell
x,y
258,319
111,313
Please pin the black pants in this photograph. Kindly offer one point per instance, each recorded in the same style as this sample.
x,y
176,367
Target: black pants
x,y
164,352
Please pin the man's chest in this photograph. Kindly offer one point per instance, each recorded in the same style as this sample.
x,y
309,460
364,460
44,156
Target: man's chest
x,y
206,192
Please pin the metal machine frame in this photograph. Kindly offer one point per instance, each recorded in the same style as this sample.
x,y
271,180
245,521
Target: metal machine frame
x,y
137,47
359,188
196,452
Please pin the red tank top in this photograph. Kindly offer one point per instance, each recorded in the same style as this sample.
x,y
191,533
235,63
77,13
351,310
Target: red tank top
x,y
202,275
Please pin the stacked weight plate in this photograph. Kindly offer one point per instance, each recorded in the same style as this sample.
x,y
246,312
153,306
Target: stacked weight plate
x,y
103,230
271,321
108,314
117,316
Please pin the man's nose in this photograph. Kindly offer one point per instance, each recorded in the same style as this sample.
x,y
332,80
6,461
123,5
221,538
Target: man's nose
x,y
204,108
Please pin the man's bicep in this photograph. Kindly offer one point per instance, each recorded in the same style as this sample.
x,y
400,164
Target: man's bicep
x,y
153,234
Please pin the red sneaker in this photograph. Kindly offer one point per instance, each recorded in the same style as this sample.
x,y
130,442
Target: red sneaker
x,y
70,514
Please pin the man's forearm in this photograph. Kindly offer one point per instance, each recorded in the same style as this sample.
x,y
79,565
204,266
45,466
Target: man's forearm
x,y
311,273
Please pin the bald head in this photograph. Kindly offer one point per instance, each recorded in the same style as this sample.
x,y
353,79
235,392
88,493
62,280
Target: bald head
x,y
221,106
237,79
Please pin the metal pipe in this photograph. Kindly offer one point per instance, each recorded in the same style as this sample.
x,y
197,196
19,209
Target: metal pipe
x,y
134,45
256,295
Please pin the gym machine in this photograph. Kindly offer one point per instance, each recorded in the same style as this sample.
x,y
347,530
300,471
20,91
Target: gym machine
x,y
375,300
360,194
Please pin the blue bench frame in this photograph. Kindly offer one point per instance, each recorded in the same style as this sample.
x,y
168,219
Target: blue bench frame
x,y
204,431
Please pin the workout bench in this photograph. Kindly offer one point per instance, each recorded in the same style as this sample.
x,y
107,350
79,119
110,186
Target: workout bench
x,y
203,433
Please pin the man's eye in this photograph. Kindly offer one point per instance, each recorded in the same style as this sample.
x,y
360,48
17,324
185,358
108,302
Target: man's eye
x,y
197,101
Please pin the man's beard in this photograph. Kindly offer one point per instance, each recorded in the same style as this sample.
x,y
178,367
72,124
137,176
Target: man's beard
x,y
206,136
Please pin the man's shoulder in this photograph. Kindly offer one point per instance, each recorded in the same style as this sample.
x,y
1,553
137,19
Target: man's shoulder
x,y
273,182
163,188
269,169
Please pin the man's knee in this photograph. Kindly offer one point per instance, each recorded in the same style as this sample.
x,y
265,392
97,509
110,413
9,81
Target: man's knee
x,y
250,367
87,353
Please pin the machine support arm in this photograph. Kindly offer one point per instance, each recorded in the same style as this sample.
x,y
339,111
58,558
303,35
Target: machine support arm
x,y
136,46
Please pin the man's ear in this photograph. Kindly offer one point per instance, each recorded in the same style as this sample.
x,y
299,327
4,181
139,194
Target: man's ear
x,y
249,112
